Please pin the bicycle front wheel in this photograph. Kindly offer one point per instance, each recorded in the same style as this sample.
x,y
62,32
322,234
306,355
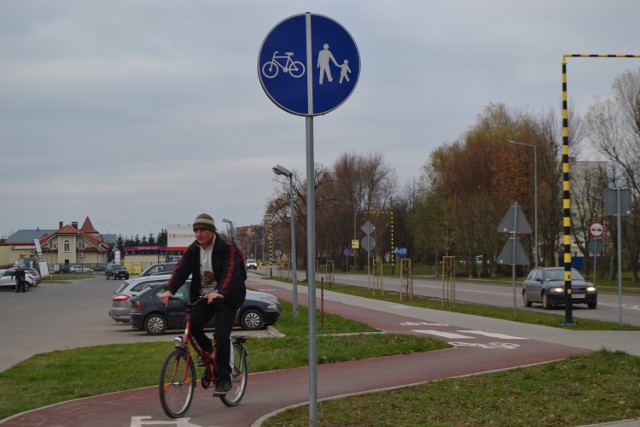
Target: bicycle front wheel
x,y
239,376
296,69
270,69
177,383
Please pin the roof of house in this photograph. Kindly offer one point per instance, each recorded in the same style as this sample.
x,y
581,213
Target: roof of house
x,y
87,227
28,236
87,231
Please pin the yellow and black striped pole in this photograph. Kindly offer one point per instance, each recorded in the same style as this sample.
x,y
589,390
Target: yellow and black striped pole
x,y
392,256
566,195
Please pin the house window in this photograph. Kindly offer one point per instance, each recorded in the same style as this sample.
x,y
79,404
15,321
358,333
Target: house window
x,y
67,246
81,245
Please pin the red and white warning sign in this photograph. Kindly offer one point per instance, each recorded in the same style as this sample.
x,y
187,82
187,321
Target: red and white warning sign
x,y
596,230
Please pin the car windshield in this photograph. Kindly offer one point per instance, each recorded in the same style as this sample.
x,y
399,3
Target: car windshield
x,y
557,274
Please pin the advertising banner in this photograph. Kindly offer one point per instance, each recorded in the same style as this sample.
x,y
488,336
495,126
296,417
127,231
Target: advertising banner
x,y
179,237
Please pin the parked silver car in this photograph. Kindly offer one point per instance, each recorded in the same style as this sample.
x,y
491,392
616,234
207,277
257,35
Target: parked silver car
x,y
165,268
120,304
80,269
7,280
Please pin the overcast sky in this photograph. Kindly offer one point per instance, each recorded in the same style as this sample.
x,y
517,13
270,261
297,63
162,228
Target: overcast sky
x,y
140,114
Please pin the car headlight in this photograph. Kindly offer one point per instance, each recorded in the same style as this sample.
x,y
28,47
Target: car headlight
x,y
591,289
273,307
557,290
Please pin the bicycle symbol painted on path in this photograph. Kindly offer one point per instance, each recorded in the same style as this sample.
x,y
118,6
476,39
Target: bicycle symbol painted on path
x,y
271,68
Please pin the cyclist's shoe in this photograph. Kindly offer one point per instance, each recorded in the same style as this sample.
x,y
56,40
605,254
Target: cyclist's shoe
x,y
200,362
222,387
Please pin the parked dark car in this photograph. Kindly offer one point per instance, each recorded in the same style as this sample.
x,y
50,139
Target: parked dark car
x,y
545,285
166,268
120,302
116,271
258,311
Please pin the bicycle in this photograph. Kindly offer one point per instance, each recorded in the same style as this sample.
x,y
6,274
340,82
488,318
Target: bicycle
x,y
294,68
178,374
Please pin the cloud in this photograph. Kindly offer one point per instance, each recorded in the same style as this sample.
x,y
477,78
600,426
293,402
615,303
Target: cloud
x,y
142,114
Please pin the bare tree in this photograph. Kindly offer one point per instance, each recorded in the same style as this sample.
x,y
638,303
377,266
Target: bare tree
x,y
614,131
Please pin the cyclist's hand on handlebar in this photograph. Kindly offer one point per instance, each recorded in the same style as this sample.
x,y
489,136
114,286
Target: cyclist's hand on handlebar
x,y
165,297
213,296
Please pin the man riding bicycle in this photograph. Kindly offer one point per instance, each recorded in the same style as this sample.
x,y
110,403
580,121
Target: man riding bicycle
x,y
218,273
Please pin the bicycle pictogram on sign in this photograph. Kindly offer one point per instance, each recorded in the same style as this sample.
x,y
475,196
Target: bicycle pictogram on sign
x,y
271,68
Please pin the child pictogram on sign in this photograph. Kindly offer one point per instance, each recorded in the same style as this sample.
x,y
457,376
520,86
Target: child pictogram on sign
x,y
344,71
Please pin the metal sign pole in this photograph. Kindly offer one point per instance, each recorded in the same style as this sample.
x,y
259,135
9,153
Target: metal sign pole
x,y
311,275
513,256
619,226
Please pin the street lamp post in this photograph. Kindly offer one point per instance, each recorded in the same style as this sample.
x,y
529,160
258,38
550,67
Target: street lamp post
x,y
281,170
231,232
535,201
354,229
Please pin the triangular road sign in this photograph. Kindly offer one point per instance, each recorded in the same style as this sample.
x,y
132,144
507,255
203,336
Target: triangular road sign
x,y
514,221
506,256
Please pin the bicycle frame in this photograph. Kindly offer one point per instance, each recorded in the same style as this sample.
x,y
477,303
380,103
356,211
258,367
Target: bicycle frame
x,y
182,342
178,376
286,56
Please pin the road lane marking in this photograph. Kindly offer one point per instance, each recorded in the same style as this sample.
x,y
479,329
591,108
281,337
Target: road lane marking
x,y
442,334
422,324
492,345
492,335
145,420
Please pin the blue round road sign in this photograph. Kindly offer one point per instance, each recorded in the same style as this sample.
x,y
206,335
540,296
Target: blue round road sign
x,y
308,64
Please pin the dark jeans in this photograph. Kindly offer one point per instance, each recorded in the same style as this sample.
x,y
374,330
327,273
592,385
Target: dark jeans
x,y
20,286
224,320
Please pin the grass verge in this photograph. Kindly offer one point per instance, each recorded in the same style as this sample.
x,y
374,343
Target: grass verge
x,y
48,378
596,388
542,318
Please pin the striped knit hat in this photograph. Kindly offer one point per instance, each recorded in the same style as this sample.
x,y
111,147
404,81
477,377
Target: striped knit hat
x,y
204,221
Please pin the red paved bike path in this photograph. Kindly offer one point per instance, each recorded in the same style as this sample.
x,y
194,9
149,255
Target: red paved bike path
x,y
271,391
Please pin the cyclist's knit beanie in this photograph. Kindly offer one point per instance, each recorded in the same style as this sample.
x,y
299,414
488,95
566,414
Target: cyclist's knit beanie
x,y
204,221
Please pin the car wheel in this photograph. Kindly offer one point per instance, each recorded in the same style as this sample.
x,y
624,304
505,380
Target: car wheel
x,y
545,302
526,301
592,304
251,320
155,324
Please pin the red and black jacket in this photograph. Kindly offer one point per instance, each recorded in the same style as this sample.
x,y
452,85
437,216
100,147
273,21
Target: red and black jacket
x,y
228,268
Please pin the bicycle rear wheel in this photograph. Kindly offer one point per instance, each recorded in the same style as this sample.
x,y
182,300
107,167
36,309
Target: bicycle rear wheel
x,y
239,376
177,383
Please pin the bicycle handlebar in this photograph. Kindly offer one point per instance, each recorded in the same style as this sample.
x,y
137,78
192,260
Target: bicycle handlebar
x,y
187,302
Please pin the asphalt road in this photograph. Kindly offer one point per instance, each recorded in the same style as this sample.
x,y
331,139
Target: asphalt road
x,y
609,309
57,316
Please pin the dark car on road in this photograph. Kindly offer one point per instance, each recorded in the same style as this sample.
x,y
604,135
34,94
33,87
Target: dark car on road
x,y
120,302
116,271
166,268
258,311
545,285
